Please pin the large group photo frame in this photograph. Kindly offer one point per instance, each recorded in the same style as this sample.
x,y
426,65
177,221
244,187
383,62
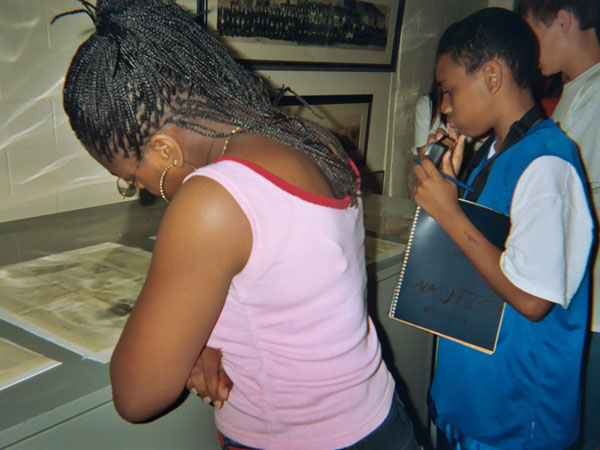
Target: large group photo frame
x,y
319,34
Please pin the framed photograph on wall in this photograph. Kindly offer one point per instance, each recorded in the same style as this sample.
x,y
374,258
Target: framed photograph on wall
x,y
334,34
346,116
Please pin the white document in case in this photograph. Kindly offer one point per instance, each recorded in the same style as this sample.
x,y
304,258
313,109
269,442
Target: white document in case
x,y
18,363
78,299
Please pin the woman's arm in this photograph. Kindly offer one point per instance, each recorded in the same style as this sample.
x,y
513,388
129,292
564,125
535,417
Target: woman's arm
x,y
204,240
438,197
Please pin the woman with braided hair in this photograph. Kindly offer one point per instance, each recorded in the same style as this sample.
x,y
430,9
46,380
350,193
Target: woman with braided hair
x,y
260,252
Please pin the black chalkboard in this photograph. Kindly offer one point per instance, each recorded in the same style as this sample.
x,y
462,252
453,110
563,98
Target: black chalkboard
x,y
438,289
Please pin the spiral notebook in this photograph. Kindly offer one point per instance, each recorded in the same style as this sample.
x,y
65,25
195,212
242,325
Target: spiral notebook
x,y
438,289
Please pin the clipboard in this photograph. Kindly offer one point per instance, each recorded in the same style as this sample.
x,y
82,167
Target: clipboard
x,y
439,291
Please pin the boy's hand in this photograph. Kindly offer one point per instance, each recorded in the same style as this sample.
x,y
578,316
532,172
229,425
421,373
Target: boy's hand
x,y
208,379
435,194
457,150
432,137
455,155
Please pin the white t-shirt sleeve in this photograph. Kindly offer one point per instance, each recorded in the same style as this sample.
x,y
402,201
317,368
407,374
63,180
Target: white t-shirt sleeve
x,y
551,235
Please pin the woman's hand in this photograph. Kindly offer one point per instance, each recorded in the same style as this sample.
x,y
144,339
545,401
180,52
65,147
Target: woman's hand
x,y
208,379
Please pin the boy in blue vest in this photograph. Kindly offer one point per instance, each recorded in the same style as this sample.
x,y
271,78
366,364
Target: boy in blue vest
x,y
525,395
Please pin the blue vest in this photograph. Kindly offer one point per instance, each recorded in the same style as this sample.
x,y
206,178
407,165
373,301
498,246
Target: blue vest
x,y
527,394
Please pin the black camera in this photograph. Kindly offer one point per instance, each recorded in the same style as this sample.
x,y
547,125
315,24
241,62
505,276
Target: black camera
x,y
436,150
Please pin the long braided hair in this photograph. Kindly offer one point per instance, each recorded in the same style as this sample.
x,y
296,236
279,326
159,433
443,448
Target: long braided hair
x,y
150,63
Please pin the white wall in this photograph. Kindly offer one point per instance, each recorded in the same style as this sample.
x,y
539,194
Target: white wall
x,y
43,168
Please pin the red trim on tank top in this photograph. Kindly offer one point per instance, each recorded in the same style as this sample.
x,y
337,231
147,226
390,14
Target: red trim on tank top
x,y
290,188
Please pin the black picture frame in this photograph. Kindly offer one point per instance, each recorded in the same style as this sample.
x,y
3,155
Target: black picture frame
x,y
348,117
309,35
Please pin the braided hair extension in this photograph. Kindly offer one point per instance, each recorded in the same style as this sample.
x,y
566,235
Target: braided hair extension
x,y
149,63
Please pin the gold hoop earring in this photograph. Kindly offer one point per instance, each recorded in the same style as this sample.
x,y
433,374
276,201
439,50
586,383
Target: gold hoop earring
x,y
161,185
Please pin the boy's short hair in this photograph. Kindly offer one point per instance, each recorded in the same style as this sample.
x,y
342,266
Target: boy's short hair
x,y
587,12
493,33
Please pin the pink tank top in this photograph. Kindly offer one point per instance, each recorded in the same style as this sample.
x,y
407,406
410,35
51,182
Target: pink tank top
x,y
296,338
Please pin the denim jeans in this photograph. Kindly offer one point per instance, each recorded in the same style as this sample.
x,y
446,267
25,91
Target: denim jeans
x,y
230,444
395,433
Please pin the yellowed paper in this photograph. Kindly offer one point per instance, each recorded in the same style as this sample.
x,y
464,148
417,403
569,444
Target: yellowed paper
x,y
78,299
18,364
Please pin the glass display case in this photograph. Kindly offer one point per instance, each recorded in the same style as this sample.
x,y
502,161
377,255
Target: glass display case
x,y
55,342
